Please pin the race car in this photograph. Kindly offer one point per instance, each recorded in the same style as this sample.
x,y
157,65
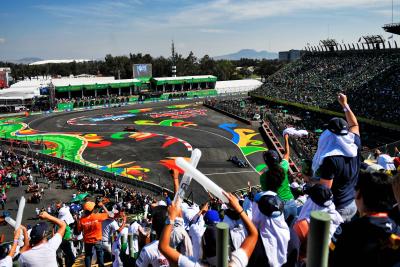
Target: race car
x,y
130,129
238,162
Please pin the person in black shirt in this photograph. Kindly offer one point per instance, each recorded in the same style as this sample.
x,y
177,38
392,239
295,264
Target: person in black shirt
x,y
373,239
394,214
336,163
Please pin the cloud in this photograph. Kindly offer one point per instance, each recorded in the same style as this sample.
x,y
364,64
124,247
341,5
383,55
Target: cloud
x,y
211,30
2,40
227,11
100,10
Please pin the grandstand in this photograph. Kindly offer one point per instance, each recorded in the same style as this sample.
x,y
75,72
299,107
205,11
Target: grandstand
x,y
369,75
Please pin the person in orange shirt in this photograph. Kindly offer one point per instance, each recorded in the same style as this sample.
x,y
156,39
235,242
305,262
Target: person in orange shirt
x,y
90,225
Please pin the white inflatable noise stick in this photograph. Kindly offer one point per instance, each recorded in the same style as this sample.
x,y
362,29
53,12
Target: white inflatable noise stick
x,y
10,221
201,179
186,179
20,212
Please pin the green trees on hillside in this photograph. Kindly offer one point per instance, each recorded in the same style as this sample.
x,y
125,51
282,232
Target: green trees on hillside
x,y
121,67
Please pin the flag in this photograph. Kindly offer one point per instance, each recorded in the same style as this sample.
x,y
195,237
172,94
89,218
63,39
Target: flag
x,y
390,37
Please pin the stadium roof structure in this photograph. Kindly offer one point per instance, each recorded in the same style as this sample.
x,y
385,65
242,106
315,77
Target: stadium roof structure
x,y
185,79
75,84
19,93
63,86
392,28
329,43
237,86
374,39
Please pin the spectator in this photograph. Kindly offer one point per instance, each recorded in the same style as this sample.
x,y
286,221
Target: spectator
x,y
394,214
267,214
41,252
373,239
109,227
209,239
90,225
150,254
337,160
275,179
136,229
7,260
238,258
320,199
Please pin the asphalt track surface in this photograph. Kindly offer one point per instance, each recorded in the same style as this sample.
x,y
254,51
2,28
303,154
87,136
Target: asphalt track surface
x,y
201,129
215,143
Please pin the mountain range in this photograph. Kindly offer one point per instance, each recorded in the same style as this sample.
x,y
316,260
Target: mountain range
x,y
249,53
25,60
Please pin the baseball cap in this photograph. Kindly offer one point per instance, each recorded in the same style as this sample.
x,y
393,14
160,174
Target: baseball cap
x,y
269,204
338,126
89,206
271,157
320,194
38,232
162,203
211,217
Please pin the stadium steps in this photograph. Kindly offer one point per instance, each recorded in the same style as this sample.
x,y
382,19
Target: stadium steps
x,y
80,261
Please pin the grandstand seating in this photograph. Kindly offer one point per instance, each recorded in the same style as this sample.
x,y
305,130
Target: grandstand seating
x,y
368,76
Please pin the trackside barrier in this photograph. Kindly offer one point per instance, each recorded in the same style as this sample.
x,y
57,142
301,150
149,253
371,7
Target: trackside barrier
x,y
318,240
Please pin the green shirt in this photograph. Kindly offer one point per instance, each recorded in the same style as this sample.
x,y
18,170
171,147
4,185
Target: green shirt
x,y
284,192
68,233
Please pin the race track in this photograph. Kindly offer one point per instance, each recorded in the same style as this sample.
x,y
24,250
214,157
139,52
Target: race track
x,y
164,130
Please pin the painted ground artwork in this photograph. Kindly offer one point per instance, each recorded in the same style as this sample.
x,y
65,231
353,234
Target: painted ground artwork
x,y
143,142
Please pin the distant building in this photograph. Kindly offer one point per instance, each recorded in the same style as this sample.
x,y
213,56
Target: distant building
x,y
5,77
291,55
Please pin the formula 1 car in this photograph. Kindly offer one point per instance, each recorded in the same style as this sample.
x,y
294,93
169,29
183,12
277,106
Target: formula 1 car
x,y
130,129
238,162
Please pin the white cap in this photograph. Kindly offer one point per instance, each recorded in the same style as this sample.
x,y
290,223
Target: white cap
x,y
162,203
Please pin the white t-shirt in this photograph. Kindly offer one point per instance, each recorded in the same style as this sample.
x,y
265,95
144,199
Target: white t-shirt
x,y
65,215
43,255
196,232
238,259
151,255
6,262
134,230
109,226
237,231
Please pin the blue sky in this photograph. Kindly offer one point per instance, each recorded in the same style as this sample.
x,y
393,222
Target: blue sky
x,y
91,29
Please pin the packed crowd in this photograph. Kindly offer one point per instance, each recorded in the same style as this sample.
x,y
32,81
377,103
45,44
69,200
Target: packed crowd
x,y
92,100
244,107
317,78
266,228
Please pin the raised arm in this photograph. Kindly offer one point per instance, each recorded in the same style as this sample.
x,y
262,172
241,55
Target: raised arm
x,y
350,117
250,241
287,147
26,240
123,223
61,224
175,177
17,233
171,254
